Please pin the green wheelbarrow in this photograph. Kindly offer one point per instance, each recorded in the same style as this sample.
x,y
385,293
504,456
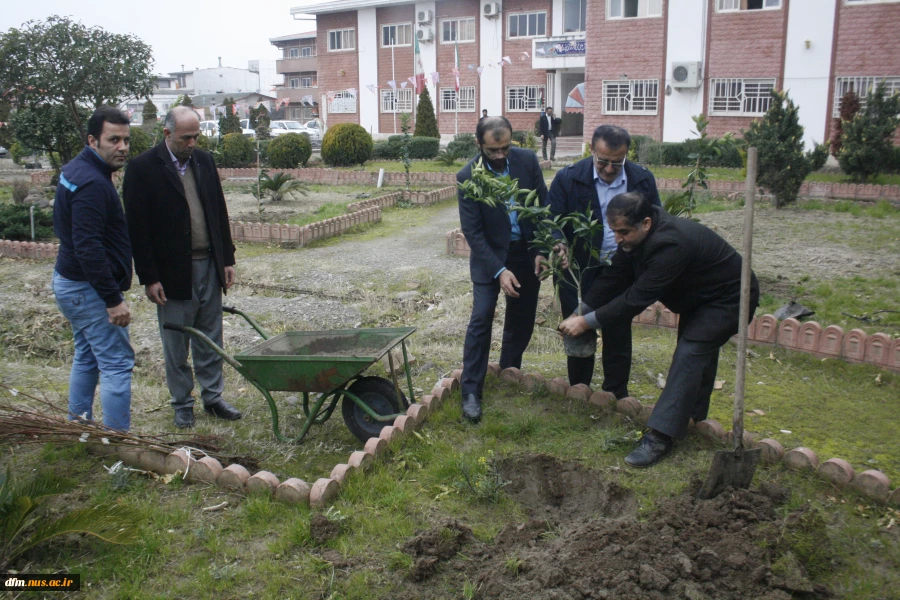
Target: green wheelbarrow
x,y
329,363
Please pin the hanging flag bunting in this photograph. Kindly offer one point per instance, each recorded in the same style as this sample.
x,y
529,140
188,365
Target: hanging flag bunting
x,y
372,87
352,91
419,70
507,60
471,67
414,83
330,95
480,71
282,102
392,84
403,84
436,77
456,64
525,55
541,51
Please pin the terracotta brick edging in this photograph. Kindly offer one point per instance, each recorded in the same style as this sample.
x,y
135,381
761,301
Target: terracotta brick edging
x,y
296,235
11,249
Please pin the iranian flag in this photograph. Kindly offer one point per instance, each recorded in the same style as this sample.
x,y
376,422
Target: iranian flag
x,y
419,70
456,65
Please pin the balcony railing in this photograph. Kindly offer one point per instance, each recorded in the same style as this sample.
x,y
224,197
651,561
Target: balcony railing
x,y
295,94
296,65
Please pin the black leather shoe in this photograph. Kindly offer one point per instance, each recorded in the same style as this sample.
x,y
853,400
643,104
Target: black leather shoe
x,y
184,417
652,448
471,408
223,410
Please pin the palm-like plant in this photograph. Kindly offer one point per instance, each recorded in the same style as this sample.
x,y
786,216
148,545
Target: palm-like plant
x,y
23,525
279,187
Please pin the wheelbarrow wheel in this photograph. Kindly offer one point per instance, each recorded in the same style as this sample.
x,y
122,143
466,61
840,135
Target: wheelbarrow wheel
x,y
380,395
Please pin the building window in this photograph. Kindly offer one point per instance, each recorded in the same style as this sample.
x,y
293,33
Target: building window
x,y
863,86
397,101
740,97
293,52
524,98
574,15
302,114
634,97
341,39
342,102
630,9
458,30
294,83
527,25
466,98
396,35
306,82
308,51
733,5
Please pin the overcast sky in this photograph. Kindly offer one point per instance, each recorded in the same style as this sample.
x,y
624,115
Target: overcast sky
x,y
192,33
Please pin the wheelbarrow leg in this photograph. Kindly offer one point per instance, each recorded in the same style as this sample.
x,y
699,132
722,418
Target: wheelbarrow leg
x,y
412,395
307,423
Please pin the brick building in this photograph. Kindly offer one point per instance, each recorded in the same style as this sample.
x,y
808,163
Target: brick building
x,y
647,65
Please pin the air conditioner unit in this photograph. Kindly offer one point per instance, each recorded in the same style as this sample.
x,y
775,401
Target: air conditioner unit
x,y
425,35
492,10
686,74
425,16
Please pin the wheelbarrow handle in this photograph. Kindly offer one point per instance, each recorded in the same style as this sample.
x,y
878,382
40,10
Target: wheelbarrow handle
x,y
248,318
205,339
174,327
230,309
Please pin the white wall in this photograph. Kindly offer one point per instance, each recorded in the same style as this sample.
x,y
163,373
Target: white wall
x,y
367,46
490,51
807,70
225,79
428,50
686,41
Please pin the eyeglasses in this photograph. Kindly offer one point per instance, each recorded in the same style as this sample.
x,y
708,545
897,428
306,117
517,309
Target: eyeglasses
x,y
602,163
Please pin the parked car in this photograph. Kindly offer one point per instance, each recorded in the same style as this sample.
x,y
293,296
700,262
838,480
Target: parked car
x,y
281,127
209,128
245,128
4,153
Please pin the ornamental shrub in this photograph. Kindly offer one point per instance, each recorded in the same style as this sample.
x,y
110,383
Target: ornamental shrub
x,y
778,136
426,123
149,116
424,147
229,122
850,106
867,148
346,144
386,150
463,145
237,151
140,142
289,150
15,223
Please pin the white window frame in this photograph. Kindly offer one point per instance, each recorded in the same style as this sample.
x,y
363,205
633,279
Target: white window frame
x,y
293,53
294,83
344,102
735,6
740,94
615,9
866,84
631,97
308,83
448,98
403,97
517,16
347,37
407,27
530,95
582,16
307,51
449,39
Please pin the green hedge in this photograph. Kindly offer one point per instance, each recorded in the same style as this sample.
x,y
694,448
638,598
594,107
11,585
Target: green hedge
x,y
15,223
237,151
386,150
289,151
419,148
423,147
463,145
651,152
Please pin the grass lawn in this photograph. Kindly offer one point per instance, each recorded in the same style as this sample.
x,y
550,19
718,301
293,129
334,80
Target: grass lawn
x,y
735,174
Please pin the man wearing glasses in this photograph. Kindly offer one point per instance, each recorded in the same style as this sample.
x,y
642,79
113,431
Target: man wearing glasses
x,y
500,259
593,182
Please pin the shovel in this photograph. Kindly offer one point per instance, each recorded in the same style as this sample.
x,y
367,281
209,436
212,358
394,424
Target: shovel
x,y
735,469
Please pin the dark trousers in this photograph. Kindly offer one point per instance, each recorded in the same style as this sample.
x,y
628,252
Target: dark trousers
x,y
518,325
688,387
616,349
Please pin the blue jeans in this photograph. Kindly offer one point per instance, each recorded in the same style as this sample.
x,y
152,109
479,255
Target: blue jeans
x,y
102,353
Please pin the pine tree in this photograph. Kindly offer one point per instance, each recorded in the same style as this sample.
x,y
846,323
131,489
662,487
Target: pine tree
x,y
229,122
867,147
778,138
186,101
426,123
849,107
149,116
259,121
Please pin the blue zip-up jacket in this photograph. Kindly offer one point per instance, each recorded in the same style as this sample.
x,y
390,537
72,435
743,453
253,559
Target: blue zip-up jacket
x,y
90,223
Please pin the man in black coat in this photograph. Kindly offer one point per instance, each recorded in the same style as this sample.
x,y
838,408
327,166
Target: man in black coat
x,y
697,275
592,183
184,257
500,259
549,130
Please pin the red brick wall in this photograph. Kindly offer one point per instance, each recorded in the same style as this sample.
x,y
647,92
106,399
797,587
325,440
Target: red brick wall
x,y
468,54
520,71
747,43
331,63
635,47
403,60
866,44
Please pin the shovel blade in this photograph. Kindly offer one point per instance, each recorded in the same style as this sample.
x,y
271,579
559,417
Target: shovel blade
x,y
730,469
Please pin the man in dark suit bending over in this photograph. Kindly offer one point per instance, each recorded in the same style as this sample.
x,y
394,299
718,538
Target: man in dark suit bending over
x,y
500,259
696,274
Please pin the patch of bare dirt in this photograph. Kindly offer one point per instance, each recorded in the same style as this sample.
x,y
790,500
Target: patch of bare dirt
x,y
242,205
686,548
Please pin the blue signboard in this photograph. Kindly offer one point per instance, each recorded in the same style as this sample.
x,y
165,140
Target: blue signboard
x,y
562,48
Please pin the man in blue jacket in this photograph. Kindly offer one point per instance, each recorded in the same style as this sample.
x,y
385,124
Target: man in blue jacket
x,y
500,259
593,182
93,268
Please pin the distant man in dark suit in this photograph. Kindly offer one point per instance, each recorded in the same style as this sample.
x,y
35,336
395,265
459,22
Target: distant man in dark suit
x,y
697,275
593,182
500,259
184,257
548,132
